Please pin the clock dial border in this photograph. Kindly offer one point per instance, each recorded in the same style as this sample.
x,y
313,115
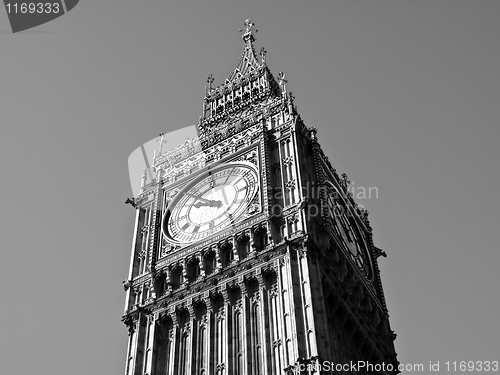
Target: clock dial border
x,y
214,209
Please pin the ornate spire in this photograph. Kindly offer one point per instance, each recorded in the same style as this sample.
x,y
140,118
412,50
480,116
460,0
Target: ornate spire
x,y
210,80
143,179
282,81
161,141
248,62
247,34
249,82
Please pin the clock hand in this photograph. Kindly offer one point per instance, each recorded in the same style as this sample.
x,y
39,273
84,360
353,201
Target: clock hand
x,y
208,203
224,196
217,204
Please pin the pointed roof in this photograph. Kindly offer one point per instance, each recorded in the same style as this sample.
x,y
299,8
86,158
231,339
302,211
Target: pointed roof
x,y
248,62
249,82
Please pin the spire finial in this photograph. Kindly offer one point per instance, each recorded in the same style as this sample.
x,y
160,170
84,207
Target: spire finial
x,y
161,140
210,79
248,31
282,81
143,179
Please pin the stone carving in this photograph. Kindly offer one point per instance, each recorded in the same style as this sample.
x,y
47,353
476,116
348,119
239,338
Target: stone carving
x,y
290,185
220,314
220,367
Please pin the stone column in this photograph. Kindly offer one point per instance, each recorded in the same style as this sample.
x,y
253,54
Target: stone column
x,y
185,279
172,365
218,264
264,319
150,349
236,256
244,322
191,347
132,344
168,281
226,328
129,294
201,266
210,332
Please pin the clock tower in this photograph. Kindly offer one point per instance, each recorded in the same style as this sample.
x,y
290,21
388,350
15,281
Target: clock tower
x,y
249,253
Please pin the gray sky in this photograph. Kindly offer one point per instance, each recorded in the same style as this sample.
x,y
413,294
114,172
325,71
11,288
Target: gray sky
x,y
405,95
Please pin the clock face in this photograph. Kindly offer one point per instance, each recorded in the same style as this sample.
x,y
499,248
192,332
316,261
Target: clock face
x,y
215,200
347,230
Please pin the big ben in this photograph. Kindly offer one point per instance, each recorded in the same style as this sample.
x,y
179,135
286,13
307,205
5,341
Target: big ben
x,y
249,254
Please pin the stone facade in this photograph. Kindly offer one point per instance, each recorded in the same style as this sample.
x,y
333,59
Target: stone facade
x,y
292,281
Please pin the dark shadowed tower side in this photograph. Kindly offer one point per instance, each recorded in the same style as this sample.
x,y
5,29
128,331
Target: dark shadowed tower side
x,y
249,253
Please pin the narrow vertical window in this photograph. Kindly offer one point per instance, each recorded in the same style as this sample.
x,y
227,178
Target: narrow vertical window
x,y
183,354
201,348
257,345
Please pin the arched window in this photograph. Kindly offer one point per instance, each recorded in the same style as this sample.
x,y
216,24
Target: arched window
x,y
226,254
193,269
260,238
176,277
209,260
243,246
